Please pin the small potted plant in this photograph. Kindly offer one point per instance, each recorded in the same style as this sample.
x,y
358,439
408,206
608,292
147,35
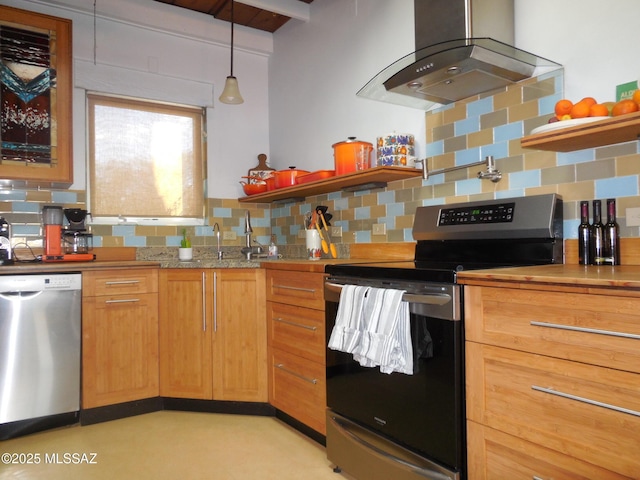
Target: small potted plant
x,y
185,252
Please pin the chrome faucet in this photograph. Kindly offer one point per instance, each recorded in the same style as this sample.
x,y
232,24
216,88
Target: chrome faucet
x,y
247,228
491,173
248,250
216,232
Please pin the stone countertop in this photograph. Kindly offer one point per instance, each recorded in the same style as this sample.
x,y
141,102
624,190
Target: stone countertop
x,y
297,264
620,276
206,257
293,259
62,267
209,263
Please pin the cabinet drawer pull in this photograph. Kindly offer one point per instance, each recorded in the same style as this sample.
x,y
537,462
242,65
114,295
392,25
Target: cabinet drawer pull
x,y
295,374
551,391
586,330
294,324
299,289
122,282
215,302
204,302
128,300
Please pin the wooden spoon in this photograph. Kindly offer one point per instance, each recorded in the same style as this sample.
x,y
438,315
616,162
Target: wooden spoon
x,y
332,247
325,247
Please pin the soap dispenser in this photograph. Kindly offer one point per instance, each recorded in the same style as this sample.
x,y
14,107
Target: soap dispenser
x,y
273,248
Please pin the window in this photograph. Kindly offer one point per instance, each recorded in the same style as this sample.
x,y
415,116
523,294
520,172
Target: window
x,y
146,161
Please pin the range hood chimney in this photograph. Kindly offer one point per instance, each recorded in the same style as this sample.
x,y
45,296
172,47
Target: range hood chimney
x,y
463,48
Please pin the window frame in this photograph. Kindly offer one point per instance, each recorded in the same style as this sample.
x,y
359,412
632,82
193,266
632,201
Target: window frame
x,y
200,155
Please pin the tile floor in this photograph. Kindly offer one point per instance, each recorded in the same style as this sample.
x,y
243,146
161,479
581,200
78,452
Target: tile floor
x,y
172,445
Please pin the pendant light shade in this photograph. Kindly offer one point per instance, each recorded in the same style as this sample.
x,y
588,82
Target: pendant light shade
x,y
231,93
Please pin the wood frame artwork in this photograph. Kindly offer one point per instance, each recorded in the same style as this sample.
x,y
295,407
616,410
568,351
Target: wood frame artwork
x,y
35,98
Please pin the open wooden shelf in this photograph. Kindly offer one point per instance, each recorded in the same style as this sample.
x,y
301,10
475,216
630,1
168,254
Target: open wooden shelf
x,y
605,132
376,177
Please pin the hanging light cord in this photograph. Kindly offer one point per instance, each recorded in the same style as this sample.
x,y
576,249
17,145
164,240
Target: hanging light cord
x,y
232,38
95,43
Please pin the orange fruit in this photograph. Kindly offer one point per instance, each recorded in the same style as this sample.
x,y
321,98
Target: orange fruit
x,y
636,97
563,107
589,101
580,110
623,107
598,110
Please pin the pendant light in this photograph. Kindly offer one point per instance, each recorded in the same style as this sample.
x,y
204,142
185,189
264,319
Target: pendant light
x,y
231,92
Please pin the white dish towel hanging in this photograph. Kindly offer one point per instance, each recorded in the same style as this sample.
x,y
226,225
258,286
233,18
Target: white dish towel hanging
x,y
374,325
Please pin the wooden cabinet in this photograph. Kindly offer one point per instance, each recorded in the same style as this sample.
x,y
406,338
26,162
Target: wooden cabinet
x,y
119,336
297,346
213,334
494,455
553,383
239,335
186,306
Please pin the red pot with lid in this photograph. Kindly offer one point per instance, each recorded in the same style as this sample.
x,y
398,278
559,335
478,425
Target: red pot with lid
x,y
352,155
287,178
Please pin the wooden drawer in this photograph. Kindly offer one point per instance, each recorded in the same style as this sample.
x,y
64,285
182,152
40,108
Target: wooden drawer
x,y
494,455
595,329
299,331
587,412
119,349
296,288
298,388
119,282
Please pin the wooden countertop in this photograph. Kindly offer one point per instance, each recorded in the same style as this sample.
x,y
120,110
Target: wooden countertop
x,y
621,276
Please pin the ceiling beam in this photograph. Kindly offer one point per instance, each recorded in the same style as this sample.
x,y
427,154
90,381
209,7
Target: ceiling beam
x,y
289,8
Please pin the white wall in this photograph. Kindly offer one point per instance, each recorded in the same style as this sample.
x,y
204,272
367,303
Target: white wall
x,y
596,41
316,70
153,50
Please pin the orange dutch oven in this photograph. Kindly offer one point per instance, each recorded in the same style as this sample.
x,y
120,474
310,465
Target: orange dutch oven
x,y
352,155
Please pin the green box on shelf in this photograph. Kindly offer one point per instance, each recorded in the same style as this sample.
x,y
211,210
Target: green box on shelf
x,y
625,90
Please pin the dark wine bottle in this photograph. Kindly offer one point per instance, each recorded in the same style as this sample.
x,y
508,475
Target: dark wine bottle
x,y
596,237
584,233
611,235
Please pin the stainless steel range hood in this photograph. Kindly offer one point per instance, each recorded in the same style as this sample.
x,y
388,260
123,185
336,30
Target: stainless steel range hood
x,y
463,48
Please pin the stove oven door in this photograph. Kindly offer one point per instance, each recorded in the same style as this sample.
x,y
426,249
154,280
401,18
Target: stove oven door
x,y
413,421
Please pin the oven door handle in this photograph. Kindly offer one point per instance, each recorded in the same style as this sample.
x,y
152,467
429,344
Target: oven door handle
x,y
426,299
435,472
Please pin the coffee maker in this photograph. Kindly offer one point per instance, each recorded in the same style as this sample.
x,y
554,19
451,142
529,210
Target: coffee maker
x,y
66,244
6,254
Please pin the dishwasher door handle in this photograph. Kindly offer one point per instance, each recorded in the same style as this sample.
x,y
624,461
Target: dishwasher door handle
x,y
21,295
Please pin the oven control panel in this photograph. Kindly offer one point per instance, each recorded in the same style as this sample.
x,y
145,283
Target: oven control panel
x,y
494,213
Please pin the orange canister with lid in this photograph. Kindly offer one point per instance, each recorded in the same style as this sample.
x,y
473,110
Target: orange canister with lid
x,y
351,155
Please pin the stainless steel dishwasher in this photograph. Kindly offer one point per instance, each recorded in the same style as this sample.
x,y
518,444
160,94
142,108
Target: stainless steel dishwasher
x,y
40,332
